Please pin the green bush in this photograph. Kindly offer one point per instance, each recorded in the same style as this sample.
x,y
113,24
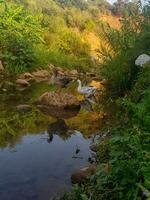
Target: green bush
x,y
137,104
19,32
71,43
121,49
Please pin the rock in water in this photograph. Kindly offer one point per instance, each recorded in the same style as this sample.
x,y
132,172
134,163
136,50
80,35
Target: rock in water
x,y
23,108
41,74
59,105
81,174
142,60
22,82
27,75
58,99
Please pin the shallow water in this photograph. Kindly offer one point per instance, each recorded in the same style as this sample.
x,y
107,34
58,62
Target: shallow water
x,y
36,158
36,169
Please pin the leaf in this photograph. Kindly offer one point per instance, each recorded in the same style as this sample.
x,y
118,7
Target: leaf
x,y
84,197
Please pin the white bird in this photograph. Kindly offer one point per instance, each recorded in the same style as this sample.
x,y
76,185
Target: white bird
x,y
86,90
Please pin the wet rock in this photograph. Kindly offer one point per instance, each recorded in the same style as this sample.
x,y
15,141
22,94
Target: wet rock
x,y
59,79
59,105
23,108
1,66
22,82
61,99
41,74
74,73
27,75
142,60
94,147
81,174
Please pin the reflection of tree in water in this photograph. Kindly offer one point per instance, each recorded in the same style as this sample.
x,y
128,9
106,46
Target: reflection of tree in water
x,y
58,127
86,104
14,125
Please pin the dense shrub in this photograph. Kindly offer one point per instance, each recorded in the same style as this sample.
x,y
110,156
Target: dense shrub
x,y
121,50
82,20
71,43
19,32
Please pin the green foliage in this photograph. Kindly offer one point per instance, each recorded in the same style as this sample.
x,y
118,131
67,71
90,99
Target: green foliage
x,y
121,50
58,58
26,27
137,105
127,151
80,19
71,43
77,3
18,55
125,8
19,31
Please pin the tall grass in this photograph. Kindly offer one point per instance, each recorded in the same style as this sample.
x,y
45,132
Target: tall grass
x,y
59,59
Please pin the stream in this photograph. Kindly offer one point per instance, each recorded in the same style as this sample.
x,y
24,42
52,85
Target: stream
x,y
38,153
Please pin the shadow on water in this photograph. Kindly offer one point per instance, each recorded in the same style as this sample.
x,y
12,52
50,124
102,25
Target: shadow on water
x,y
38,153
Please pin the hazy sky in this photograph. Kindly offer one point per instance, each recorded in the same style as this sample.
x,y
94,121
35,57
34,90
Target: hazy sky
x,y
111,1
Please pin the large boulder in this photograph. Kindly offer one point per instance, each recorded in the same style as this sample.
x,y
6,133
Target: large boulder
x,y
59,105
59,99
81,174
142,60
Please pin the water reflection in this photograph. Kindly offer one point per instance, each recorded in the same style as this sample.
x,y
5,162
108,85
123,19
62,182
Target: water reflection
x,y
58,127
58,112
37,152
37,170
87,105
